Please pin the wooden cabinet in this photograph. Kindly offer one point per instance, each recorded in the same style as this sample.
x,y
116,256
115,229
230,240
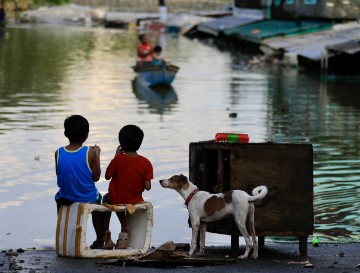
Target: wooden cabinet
x,y
287,171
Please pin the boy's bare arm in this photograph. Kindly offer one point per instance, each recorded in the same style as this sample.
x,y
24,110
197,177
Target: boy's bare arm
x,y
119,150
94,158
56,161
148,185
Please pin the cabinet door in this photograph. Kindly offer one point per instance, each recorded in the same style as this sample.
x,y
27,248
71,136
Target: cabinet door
x,y
209,165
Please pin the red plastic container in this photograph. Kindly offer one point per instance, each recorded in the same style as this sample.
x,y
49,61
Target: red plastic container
x,y
232,137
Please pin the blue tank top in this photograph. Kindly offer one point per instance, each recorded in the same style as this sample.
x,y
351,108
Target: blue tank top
x,y
74,176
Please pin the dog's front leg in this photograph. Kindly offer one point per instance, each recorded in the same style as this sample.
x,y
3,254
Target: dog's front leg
x,y
202,238
195,231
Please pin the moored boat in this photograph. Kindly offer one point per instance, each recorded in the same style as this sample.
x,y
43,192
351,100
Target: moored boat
x,y
152,75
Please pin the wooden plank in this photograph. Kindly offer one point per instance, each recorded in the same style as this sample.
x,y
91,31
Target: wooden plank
x,y
287,172
220,173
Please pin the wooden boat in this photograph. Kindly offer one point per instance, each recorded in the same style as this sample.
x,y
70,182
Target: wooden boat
x,y
149,74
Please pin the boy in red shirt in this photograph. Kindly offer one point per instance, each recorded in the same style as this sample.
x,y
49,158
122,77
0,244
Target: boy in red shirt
x,y
130,175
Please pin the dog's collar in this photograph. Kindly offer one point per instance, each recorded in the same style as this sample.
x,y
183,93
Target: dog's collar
x,y
191,195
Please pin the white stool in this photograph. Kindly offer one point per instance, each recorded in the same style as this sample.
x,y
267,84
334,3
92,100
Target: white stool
x,y
71,231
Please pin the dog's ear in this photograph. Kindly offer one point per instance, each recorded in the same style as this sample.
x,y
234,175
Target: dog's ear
x,y
182,178
184,182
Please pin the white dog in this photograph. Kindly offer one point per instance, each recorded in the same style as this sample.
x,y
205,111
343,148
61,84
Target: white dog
x,y
205,207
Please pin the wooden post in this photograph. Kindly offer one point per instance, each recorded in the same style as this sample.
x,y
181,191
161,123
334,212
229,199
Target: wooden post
x,y
303,245
234,245
261,240
162,11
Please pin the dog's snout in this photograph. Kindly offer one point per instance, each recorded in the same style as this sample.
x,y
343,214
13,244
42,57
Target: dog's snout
x,y
163,183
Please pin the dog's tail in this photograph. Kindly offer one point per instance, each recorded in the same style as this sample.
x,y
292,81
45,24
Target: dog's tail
x,y
258,193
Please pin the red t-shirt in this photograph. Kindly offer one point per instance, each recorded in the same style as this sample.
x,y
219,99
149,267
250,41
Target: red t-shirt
x,y
128,175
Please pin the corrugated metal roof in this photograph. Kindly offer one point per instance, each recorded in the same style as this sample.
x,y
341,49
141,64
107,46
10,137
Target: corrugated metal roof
x,y
213,27
258,31
313,45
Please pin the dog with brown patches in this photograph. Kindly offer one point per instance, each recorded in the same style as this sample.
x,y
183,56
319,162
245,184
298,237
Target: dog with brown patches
x,y
205,207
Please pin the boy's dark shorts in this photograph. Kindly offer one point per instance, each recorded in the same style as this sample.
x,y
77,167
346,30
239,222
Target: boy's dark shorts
x,y
105,199
63,201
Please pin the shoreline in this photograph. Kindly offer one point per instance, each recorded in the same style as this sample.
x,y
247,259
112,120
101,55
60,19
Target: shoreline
x,y
273,257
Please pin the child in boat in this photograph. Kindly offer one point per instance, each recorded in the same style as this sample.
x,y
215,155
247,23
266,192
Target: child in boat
x,y
157,58
77,170
130,175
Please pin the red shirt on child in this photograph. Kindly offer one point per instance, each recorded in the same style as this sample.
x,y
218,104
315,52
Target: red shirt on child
x,y
128,175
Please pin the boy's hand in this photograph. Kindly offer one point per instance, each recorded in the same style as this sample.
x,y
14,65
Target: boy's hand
x,y
97,149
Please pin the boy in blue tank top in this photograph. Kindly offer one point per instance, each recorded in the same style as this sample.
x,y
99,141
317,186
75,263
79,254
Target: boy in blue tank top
x,y
77,170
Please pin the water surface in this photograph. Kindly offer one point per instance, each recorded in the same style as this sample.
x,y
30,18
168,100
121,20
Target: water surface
x,y
49,73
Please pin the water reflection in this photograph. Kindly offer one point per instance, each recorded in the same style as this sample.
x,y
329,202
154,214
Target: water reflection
x,y
26,65
2,33
31,73
304,109
160,99
344,92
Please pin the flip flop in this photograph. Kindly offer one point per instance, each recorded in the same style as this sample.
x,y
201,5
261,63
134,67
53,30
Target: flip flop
x,y
122,242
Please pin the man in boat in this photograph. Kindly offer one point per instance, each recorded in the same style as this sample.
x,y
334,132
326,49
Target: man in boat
x,y
144,50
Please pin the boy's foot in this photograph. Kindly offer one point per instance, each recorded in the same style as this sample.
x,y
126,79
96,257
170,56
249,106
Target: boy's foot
x,y
122,242
108,243
96,245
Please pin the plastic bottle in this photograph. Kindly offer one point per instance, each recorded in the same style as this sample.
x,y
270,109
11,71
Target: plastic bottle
x,y
315,241
232,137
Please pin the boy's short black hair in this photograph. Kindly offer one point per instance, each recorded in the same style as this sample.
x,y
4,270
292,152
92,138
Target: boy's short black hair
x,y
76,128
157,48
130,138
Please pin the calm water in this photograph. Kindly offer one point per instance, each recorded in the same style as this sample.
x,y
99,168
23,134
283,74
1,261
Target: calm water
x,y
47,74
